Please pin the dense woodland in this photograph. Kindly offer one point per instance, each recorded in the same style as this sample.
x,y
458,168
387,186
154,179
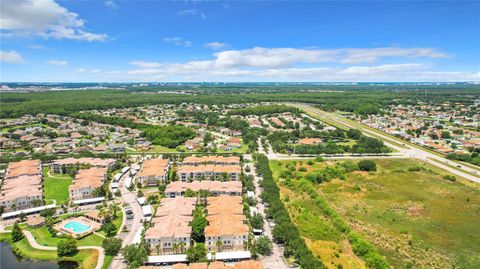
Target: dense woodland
x,y
361,99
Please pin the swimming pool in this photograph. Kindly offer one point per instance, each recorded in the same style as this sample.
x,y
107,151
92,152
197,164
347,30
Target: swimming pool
x,y
77,227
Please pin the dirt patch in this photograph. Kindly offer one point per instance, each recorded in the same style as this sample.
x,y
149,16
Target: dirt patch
x,y
415,211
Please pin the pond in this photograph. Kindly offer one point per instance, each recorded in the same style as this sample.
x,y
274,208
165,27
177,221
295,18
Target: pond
x,y
8,259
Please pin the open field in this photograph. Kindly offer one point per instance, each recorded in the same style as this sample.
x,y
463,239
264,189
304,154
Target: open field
x,y
55,187
414,216
323,238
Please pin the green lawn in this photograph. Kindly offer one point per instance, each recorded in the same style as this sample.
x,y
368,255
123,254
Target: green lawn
x,y
56,187
43,237
117,222
87,259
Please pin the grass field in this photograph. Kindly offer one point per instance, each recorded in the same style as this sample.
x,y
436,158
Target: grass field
x,y
414,216
87,259
322,237
55,187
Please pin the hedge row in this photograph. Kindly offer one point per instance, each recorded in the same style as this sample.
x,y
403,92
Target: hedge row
x,y
285,231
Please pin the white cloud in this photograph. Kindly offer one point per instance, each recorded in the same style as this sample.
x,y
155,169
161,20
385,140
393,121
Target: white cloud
x,y
179,41
95,70
192,12
81,70
36,47
290,64
57,62
111,4
283,57
215,45
143,64
44,18
10,57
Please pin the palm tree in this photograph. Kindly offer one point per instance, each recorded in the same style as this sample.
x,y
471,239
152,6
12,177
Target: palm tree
x,y
114,208
219,244
182,245
175,247
105,213
157,248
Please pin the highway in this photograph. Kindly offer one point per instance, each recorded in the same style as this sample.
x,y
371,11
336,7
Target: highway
x,y
406,149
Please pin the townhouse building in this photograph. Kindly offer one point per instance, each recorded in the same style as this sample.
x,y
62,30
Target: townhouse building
x,y
86,181
227,229
153,171
170,232
22,186
215,188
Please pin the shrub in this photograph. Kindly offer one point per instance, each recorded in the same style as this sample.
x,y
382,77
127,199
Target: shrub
x,y
67,247
367,165
17,234
112,245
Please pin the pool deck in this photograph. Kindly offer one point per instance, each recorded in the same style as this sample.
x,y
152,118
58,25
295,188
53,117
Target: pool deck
x,y
93,226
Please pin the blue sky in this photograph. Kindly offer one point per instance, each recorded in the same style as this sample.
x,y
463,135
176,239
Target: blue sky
x,y
117,41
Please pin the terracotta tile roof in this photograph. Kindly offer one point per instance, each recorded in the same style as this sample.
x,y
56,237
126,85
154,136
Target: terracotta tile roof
x,y
25,167
172,218
92,177
154,167
225,216
91,161
22,186
209,168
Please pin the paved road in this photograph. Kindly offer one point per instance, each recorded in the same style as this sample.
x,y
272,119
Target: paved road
x,y
274,261
34,244
408,150
133,225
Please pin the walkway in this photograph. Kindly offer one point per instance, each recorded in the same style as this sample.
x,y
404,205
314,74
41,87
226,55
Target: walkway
x,y
275,260
34,244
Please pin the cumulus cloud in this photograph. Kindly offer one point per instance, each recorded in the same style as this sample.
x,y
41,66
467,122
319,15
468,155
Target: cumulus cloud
x,y
192,12
179,41
283,57
44,18
81,70
10,57
215,45
291,64
57,62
